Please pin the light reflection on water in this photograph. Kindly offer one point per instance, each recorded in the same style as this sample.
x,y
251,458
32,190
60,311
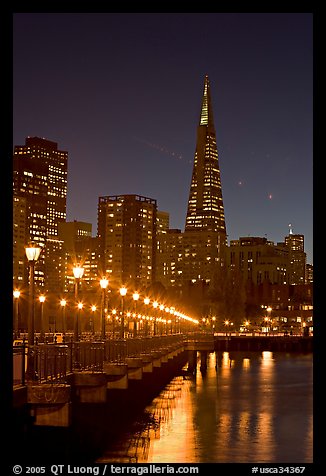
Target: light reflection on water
x,y
254,407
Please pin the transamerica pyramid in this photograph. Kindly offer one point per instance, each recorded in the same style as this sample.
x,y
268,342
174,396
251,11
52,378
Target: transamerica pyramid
x,y
205,205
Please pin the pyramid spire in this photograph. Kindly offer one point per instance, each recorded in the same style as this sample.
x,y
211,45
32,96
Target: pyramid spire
x,y
205,205
206,113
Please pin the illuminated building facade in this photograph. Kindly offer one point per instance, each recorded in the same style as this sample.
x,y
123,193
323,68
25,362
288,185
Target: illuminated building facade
x,y
204,238
205,205
193,256
162,229
19,240
79,248
297,258
258,260
127,239
40,177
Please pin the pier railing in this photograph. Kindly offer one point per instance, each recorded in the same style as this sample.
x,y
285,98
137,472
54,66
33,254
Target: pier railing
x,y
55,362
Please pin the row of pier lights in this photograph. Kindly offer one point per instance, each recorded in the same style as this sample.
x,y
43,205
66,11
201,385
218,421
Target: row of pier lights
x,y
33,252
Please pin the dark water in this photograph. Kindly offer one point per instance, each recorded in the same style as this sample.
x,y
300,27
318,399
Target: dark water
x,y
246,408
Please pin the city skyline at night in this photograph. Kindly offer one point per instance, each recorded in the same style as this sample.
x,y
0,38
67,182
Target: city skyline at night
x,y
121,95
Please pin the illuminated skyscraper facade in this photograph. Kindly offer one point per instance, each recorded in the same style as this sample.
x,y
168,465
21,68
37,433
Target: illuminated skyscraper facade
x,y
297,258
204,238
127,239
205,205
194,255
40,177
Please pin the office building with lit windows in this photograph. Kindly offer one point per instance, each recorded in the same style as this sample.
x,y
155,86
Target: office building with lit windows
x,y
40,178
192,256
297,258
127,239
19,240
204,238
205,205
80,247
162,229
258,260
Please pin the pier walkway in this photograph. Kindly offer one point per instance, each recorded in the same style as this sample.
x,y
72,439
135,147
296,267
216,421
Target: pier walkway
x,y
49,377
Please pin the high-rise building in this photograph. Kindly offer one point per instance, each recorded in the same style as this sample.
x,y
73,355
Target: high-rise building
x,y
162,228
40,177
204,238
194,255
297,258
205,205
19,240
127,239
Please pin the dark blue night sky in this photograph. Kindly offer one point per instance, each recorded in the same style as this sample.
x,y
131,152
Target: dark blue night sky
x,y
121,92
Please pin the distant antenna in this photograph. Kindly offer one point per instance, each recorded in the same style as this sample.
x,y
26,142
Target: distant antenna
x,y
290,229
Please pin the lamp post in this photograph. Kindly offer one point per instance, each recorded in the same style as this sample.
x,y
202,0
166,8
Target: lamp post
x,y
80,306
168,321
146,302
161,323
63,303
33,253
269,314
123,292
104,284
93,309
135,297
155,306
226,323
78,274
16,294
114,312
42,300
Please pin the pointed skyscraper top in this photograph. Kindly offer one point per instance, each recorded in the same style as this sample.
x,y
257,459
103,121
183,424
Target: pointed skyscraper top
x,y
206,113
205,205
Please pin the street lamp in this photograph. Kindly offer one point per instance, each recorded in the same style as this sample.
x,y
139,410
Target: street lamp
x,y
63,303
226,323
161,324
78,274
104,284
80,306
32,253
114,312
93,309
146,302
135,297
16,294
42,300
269,311
123,292
155,306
